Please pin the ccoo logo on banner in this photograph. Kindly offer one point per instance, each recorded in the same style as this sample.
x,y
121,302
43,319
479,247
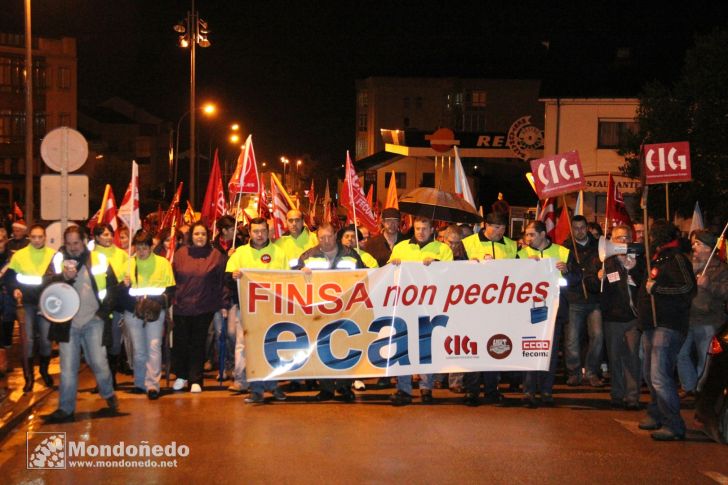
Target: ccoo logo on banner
x,y
398,320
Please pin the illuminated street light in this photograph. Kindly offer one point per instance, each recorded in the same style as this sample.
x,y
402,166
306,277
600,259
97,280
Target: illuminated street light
x,y
235,127
193,32
234,138
209,109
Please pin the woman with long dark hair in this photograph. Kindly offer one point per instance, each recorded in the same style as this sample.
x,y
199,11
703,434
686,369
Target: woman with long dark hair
x,y
199,270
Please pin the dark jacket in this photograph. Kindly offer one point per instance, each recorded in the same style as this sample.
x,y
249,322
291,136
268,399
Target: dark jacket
x,y
378,247
198,274
708,307
673,290
589,265
618,289
61,332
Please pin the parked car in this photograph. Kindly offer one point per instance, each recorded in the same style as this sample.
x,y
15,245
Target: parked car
x,y
711,404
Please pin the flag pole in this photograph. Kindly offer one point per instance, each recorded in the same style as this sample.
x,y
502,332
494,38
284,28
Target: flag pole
x,y
667,201
103,204
573,242
643,203
349,168
606,222
717,244
240,192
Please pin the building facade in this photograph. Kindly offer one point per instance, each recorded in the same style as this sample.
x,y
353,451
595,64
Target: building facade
x,y
55,84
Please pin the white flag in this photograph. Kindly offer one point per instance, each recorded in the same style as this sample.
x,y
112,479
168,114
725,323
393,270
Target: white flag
x,y
129,209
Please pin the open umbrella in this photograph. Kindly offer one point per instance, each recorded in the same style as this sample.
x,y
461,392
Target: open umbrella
x,y
438,205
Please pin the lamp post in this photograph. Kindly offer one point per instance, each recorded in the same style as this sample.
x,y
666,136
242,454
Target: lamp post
x,y
298,180
209,109
193,32
28,116
285,163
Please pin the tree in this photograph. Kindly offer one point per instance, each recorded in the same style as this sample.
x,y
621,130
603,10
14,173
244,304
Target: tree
x,y
694,109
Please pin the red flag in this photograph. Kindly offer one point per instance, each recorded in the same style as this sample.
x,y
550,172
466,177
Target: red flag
x,y
562,231
176,216
169,216
263,209
190,217
327,204
214,204
107,212
311,196
547,215
616,210
358,209
17,212
281,205
245,179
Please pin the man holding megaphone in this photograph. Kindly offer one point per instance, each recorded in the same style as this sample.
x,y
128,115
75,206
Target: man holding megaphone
x,y
622,275
89,325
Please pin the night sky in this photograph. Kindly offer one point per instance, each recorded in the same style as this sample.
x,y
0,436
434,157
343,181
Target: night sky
x,y
286,70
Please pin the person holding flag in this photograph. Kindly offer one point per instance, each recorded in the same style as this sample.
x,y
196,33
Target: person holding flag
x,y
380,246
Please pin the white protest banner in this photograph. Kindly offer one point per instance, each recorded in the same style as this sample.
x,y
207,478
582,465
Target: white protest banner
x,y
398,320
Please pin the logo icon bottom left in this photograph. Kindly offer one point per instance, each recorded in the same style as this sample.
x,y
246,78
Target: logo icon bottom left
x,y
46,450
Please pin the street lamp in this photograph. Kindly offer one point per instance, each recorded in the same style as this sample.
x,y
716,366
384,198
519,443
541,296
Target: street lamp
x,y
298,180
285,163
193,32
209,109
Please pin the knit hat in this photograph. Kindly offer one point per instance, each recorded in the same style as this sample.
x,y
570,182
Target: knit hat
x,y
706,237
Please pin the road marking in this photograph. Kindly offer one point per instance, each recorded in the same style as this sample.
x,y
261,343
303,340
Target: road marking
x,y
717,477
631,426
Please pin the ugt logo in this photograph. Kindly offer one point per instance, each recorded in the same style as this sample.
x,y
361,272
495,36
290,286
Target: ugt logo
x,y
460,345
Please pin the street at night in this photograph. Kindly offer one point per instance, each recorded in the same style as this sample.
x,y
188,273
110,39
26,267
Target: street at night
x,y
580,440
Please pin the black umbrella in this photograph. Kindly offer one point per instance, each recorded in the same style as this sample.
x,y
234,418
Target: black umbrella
x,y
438,205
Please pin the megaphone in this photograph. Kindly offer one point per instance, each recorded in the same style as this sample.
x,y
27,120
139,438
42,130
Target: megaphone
x,y
59,302
607,248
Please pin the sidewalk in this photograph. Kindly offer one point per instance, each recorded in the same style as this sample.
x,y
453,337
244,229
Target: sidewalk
x,y
18,405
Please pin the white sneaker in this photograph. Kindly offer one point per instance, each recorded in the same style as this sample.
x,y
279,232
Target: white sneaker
x,y
195,388
179,384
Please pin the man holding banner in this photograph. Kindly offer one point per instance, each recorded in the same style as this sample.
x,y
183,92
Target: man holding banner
x,y
490,243
422,247
330,254
539,246
259,253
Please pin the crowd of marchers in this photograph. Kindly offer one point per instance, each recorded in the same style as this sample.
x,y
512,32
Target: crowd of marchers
x,y
617,323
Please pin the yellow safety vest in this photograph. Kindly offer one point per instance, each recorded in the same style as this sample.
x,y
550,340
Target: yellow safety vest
x,y
477,248
155,275
99,267
31,264
293,248
555,251
367,259
269,256
409,251
118,259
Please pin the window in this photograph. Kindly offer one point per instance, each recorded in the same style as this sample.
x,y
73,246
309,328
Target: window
x,y
428,179
406,102
612,134
479,99
362,122
361,148
473,121
400,178
363,100
64,78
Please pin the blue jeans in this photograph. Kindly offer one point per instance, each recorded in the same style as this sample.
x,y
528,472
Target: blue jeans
x,y
116,334
147,343
404,383
89,338
218,323
698,338
258,387
36,329
239,369
661,346
623,344
584,316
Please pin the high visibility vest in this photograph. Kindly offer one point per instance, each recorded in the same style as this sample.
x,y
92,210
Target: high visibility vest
x,y
476,248
367,259
118,259
155,275
555,251
269,256
409,251
99,267
31,264
316,262
293,248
